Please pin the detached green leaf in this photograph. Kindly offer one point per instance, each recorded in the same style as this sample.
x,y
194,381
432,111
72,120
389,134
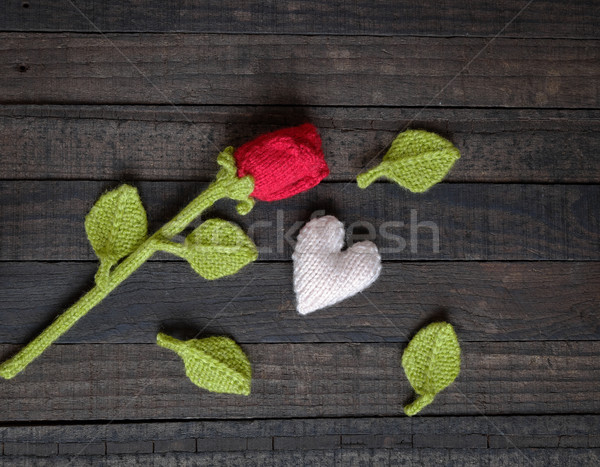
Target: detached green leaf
x,y
431,363
217,364
416,160
116,225
219,248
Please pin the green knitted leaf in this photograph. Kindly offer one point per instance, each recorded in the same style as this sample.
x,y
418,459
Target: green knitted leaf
x,y
416,160
431,362
217,364
116,225
219,248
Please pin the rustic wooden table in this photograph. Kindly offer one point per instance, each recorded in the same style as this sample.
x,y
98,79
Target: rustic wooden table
x,y
96,92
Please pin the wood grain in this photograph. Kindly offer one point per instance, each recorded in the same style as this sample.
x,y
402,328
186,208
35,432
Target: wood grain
x,y
115,92
43,220
162,143
545,18
345,457
136,382
305,70
349,433
485,302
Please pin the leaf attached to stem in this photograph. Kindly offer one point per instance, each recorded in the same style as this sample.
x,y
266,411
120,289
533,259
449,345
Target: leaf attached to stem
x,y
116,225
218,248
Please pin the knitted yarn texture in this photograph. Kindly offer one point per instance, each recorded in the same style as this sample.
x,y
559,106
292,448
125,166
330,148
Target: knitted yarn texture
x,y
323,274
283,163
215,249
431,362
116,227
117,224
217,363
416,160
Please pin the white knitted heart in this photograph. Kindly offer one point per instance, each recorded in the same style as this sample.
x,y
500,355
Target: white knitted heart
x,y
325,275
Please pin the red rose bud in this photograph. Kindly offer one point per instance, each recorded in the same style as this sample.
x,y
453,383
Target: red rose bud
x,y
283,163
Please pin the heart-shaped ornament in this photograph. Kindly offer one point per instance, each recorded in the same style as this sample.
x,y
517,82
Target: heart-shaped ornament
x,y
325,275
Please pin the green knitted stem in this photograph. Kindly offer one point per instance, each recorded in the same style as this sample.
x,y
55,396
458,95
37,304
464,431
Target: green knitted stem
x,y
418,404
102,276
366,178
225,186
177,249
168,342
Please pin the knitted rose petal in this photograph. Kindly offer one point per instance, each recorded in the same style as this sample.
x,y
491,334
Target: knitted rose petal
x,y
283,163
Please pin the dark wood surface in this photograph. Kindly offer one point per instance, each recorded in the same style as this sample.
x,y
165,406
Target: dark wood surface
x,y
544,18
96,93
476,221
144,381
64,142
486,301
259,69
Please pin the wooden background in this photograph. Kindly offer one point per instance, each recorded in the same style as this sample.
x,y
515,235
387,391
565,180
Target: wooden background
x,y
95,93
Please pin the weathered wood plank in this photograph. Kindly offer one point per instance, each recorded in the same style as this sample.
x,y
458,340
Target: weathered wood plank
x,y
160,143
307,70
527,428
83,449
473,457
44,220
428,440
485,301
133,382
175,445
345,457
30,449
352,435
546,18
130,447
379,433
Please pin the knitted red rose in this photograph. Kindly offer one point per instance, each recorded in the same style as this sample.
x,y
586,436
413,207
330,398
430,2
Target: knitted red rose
x,y
272,167
283,163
